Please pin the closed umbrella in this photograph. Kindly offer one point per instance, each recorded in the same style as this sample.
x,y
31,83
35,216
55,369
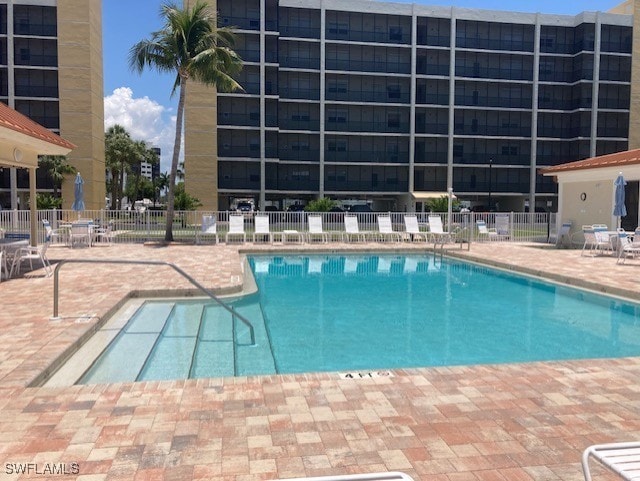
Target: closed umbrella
x,y
619,209
78,194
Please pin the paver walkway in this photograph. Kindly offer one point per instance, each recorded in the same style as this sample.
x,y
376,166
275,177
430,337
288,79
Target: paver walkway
x,y
490,423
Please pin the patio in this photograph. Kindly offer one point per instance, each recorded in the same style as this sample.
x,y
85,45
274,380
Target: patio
x,y
503,422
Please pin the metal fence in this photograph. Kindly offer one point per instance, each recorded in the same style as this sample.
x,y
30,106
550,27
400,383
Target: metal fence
x,y
139,227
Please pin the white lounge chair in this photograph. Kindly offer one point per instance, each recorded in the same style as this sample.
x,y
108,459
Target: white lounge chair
x,y
413,228
436,231
488,233
236,228
621,458
352,230
208,229
315,229
262,231
31,253
385,229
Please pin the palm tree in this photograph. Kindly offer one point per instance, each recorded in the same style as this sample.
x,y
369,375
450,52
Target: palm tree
x,y
191,46
57,167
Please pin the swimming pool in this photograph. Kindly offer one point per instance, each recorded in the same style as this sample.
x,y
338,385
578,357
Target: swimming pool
x,y
365,312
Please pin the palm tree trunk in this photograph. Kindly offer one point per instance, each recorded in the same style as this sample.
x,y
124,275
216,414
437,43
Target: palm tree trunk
x,y
168,234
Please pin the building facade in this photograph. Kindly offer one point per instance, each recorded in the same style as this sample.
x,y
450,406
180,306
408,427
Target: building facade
x,y
391,102
51,71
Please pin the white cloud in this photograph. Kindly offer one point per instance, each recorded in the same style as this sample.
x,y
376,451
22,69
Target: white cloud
x,y
145,119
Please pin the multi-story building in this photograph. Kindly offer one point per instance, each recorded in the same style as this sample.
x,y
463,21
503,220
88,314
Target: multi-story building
x,y
392,102
51,71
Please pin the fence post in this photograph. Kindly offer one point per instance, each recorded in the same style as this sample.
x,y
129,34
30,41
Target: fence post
x,y
148,224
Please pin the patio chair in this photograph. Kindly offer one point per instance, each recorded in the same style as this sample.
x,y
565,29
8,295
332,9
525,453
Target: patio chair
x,y
236,228
412,228
262,231
31,253
52,235
385,229
103,235
621,458
315,229
208,229
352,230
595,240
627,248
487,233
80,233
437,232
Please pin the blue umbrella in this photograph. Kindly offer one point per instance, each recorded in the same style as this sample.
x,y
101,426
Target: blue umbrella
x,y
619,209
78,194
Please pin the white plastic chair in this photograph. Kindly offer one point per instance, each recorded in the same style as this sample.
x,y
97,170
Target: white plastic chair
x,y
30,253
385,228
412,228
236,228
352,230
103,235
208,228
436,231
621,458
51,235
488,233
262,231
80,233
315,229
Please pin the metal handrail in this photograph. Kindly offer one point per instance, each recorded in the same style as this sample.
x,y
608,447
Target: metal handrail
x,y
234,314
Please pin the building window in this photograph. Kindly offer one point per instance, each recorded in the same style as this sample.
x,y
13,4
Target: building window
x,y
395,34
337,116
393,120
393,92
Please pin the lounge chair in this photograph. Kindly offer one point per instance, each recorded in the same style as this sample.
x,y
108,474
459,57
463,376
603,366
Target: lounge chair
x,y
236,228
436,231
412,228
488,233
621,458
315,229
262,231
385,229
564,236
352,230
208,229
626,248
31,253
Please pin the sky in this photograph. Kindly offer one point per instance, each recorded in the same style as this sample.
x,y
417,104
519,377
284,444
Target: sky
x,y
143,103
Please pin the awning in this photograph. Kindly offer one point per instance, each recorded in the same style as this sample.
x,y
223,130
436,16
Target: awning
x,y
430,195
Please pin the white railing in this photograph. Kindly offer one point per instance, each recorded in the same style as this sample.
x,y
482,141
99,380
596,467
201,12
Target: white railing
x,y
139,227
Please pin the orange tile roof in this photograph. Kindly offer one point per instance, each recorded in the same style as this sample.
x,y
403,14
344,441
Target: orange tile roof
x,y
11,119
617,159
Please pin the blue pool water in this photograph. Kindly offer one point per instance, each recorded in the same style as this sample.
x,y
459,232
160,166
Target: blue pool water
x,y
340,313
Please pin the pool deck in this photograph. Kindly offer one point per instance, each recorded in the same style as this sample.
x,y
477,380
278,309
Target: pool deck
x,y
513,422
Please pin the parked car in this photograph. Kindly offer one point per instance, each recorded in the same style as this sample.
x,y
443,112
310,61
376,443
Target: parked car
x,y
360,208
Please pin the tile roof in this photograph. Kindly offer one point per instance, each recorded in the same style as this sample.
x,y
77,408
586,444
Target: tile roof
x,y
617,159
13,120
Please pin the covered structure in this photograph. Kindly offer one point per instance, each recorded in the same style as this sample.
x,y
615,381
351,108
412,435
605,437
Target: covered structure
x,y
586,191
21,142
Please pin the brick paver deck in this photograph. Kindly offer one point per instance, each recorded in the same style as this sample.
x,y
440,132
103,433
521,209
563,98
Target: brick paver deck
x,y
486,423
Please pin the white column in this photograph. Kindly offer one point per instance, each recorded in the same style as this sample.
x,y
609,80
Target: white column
x,y
412,98
263,113
11,90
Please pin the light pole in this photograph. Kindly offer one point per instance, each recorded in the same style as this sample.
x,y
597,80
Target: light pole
x,y
490,178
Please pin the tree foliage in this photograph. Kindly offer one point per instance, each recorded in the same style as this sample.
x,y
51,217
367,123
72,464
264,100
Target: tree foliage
x,y
325,204
192,47
57,168
184,200
441,204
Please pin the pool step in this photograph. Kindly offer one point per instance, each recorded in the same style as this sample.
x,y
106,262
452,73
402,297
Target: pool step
x,y
214,356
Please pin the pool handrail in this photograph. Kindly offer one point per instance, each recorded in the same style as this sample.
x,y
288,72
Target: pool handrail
x,y
62,262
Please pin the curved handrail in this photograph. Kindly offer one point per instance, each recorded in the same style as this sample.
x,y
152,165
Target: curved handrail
x,y
62,262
